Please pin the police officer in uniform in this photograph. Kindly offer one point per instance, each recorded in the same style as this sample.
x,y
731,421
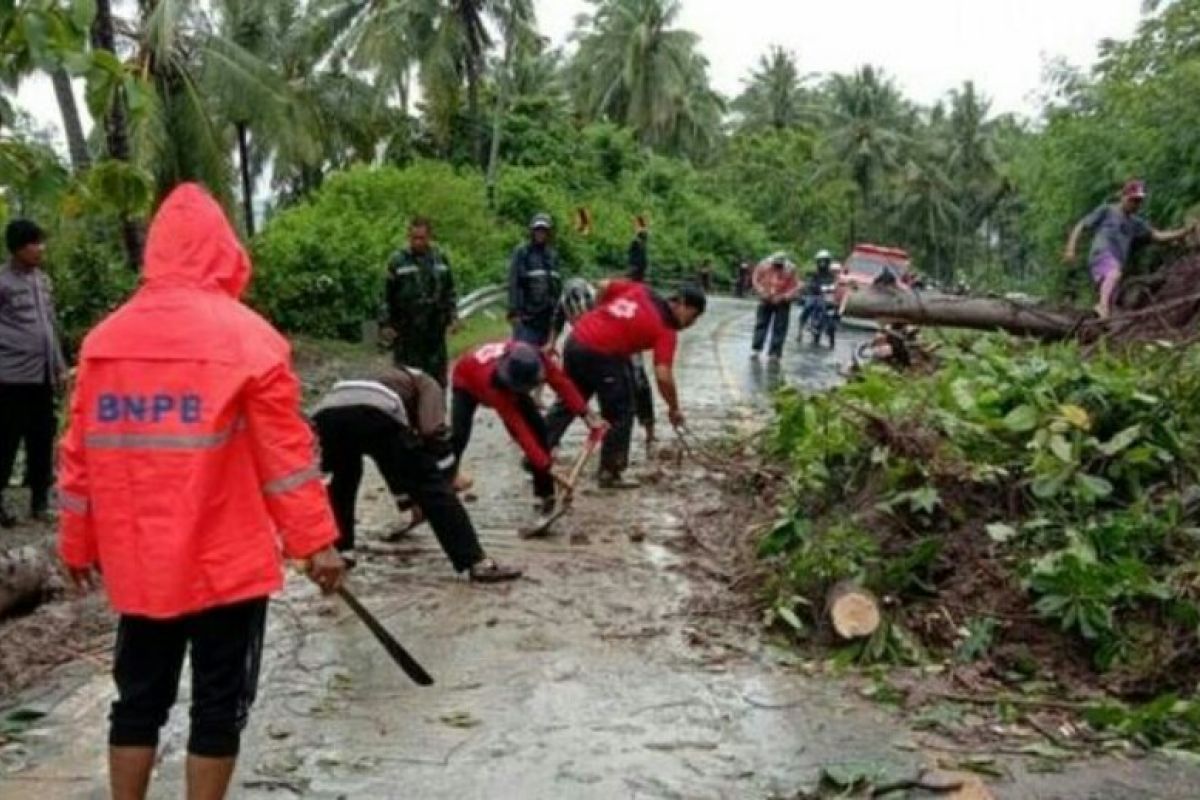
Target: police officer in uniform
x,y
421,304
534,285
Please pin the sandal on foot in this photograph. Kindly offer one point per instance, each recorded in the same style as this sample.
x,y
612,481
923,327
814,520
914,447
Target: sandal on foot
x,y
488,571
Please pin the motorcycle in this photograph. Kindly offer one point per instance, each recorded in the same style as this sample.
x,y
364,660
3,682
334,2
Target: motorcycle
x,y
823,317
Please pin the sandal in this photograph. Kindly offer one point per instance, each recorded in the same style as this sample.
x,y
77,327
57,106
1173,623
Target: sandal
x,y
488,571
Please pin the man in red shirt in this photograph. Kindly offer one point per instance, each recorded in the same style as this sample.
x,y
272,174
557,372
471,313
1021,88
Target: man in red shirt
x,y
629,318
502,376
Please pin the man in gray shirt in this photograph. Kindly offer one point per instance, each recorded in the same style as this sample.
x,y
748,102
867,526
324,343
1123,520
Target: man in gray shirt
x,y
31,365
1116,229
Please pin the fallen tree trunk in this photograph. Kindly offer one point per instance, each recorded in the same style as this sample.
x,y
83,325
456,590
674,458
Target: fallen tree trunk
x,y
25,574
853,611
977,313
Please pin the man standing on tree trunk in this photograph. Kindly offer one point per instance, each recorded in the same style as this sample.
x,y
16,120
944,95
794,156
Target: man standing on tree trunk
x,y
32,368
1116,230
422,307
187,473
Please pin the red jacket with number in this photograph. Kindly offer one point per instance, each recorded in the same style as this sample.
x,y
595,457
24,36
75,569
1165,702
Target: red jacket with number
x,y
187,467
629,318
475,374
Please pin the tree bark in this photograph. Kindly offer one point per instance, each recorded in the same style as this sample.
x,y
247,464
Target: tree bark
x,y
940,310
25,573
243,140
81,159
116,128
502,85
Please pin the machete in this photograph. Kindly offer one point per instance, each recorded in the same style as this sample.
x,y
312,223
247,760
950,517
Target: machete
x,y
394,649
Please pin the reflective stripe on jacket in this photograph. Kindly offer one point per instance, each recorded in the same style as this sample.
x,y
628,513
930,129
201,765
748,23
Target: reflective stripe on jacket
x,y
187,467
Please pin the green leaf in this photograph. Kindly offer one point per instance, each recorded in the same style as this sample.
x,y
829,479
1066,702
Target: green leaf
x,y
1093,487
1021,419
789,616
1048,486
1062,449
1001,533
925,499
963,395
1121,441
83,12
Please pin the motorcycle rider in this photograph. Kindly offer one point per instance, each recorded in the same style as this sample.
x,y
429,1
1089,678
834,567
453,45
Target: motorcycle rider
x,y
814,287
534,285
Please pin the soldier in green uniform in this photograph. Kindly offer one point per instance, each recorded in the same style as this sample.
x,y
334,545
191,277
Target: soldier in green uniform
x,y
421,304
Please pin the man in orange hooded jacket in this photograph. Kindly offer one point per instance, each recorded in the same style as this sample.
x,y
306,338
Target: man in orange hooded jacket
x,y
186,471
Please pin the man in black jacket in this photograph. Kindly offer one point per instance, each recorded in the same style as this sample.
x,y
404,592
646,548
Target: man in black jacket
x,y
421,303
534,285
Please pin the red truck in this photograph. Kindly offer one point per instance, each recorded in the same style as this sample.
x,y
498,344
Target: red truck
x,y
868,261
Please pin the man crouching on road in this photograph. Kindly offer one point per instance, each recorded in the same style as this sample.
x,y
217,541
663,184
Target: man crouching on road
x,y
629,318
399,422
185,469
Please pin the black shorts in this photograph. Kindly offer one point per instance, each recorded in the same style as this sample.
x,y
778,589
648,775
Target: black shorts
x,y
226,651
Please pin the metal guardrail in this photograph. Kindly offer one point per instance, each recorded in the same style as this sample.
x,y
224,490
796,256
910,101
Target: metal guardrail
x,y
480,299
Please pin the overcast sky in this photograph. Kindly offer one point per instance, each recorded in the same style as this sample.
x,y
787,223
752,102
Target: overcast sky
x,y
929,46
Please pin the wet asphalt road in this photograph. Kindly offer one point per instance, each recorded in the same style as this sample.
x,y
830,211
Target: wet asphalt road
x,y
585,680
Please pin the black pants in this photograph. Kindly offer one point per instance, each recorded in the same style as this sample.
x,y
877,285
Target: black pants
x,y
610,379
535,329
226,650
463,406
424,350
27,415
773,317
349,434
643,394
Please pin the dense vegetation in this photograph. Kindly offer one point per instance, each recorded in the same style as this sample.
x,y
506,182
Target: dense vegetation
x,y
1022,507
271,93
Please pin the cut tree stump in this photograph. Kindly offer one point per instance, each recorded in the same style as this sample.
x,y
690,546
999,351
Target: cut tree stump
x,y
853,611
25,574
952,311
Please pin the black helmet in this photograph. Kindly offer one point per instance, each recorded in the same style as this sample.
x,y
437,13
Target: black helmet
x,y
578,298
520,369
692,296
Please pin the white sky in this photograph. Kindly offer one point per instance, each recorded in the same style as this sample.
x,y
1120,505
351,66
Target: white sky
x,y
929,46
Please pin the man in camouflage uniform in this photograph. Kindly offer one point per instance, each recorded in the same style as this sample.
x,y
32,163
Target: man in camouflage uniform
x,y
421,304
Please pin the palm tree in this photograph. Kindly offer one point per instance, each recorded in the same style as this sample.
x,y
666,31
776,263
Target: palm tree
x,y
60,38
520,40
448,40
868,135
115,113
925,215
774,96
972,161
633,67
252,51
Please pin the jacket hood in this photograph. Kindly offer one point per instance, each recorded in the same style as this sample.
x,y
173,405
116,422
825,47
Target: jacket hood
x,y
191,244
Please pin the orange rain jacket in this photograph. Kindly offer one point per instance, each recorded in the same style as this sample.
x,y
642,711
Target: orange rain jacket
x,y
187,462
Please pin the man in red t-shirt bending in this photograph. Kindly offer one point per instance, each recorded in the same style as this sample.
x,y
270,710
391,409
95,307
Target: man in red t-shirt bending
x,y
629,318
502,376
